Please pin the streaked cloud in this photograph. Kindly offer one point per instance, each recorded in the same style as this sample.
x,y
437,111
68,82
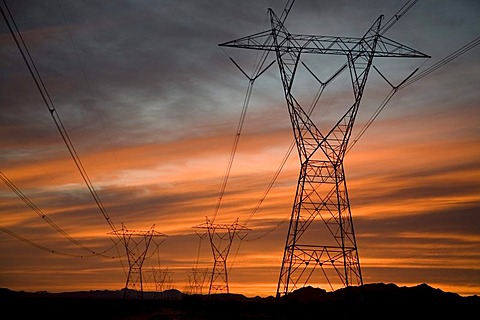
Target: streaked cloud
x,y
151,104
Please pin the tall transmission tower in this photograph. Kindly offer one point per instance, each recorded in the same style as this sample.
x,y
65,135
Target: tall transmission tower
x,y
137,244
221,237
326,255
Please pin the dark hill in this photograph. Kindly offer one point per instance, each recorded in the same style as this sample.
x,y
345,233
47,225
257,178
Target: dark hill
x,y
370,301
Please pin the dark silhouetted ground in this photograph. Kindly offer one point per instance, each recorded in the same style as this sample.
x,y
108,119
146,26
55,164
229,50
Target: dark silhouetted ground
x,y
370,301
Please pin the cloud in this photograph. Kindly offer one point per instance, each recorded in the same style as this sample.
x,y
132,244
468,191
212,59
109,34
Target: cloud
x,y
152,104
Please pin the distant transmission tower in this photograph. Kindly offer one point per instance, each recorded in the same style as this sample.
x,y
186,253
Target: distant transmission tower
x,y
196,281
159,281
136,244
221,237
327,254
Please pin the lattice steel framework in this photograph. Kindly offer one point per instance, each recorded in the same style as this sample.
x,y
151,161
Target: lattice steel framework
x,y
136,244
196,281
328,254
158,280
221,237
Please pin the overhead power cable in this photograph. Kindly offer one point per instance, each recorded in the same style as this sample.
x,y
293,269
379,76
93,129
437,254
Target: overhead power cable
x,y
41,247
393,19
410,80
475,42
260,68
86,80
22,47
234,149
45,218
258,71
286,10
292,144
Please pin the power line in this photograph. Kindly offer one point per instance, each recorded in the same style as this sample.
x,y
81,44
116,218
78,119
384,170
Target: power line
x,y
410,80
86,80
258,71
22,47
266,233
41,247
442,62
234,148
407,6
290,148
44,217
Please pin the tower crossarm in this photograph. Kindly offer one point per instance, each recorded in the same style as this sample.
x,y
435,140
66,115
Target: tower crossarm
x,y
331,45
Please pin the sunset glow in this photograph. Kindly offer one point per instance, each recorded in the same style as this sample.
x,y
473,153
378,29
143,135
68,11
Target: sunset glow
x,y
151,105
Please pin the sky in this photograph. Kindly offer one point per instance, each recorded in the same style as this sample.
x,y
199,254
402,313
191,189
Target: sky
x,y
151,104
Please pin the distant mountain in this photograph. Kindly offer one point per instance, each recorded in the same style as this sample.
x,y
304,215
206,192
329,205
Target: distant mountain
x,y
370,301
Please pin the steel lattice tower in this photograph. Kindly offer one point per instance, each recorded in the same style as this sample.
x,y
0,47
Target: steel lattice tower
x,y
327,254
159,280
136,244
196,281
221,238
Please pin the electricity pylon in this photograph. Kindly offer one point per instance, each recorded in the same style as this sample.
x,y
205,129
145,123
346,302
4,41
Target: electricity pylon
x,y
196,281
328,253
221,237
136,244
158,280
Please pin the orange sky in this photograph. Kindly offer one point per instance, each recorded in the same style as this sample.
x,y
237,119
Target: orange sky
x,y
152,115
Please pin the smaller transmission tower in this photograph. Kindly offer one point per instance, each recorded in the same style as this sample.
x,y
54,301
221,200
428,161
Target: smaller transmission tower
x,y
221,238
196,281
159,281
137,244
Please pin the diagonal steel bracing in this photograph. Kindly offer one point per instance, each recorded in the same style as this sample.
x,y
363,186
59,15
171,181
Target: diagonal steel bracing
x,y
328,254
